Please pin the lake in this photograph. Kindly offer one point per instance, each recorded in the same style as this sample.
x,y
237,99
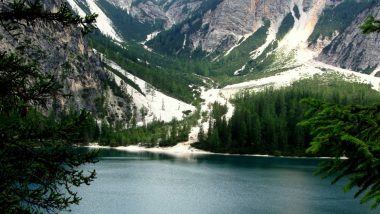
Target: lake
x,y
162,184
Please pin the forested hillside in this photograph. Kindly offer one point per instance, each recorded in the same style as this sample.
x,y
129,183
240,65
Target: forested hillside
x,y
266,122
171,75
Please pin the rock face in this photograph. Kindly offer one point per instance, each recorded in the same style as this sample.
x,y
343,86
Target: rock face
x,y
149,11
124,4
62,50
353,50
210,27
216,26
223,24
233,19
210,24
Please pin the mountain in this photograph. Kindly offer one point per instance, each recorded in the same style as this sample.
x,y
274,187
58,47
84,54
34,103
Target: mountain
x,y
176,48
260,34
63,51
353,50
85,76
150,62
135,19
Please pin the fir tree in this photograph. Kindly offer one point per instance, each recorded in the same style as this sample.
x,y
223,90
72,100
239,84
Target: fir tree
x,y
350,131
371,25
201,134
353,132
38,163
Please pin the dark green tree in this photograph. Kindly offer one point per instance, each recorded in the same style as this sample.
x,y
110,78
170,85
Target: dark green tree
x,y
38,163
353,132
15,13
266,122
201,134
256,130
371,25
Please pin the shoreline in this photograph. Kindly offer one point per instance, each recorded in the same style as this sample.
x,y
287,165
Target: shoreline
x,y
185,149
181,149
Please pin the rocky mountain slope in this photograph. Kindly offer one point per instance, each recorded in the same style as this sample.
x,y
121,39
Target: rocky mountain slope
x,y
297,29
63,51
145,52
143,16
353,50
85,76
222,37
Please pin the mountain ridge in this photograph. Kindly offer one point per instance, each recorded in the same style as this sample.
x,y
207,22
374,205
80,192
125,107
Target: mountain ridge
x,y
263,45
356,51
156,72
213,28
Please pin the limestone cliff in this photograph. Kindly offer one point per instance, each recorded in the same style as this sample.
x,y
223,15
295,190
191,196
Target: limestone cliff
x,y
62,50
353,50
224,24
291,31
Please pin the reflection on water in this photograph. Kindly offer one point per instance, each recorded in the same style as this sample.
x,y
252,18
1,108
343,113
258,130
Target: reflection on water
x,y
159,183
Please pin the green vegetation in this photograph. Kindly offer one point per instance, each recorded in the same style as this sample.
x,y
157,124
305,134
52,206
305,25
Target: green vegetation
x,y
266,122
172,74
171,41
124,78
351,131
338,18
39,165
38,161
116,90
166,74
174,62
371,25
264,61
286,25
368,70
127,26
239,56
153,134
83,5
296,12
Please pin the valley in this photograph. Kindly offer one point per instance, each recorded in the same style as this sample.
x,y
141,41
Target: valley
x,y
192,106
288,44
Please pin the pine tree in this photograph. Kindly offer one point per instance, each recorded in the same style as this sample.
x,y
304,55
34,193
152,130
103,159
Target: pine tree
x,y
256,131
38,163
214,139
353,132
201,134
371,25
144,113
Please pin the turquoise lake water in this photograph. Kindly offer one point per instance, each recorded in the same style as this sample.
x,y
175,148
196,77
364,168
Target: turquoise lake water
x,y
149,183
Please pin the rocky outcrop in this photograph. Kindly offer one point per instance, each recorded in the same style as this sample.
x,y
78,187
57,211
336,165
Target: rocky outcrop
x,y
354,50
226,22
179,11
62,50
212,25
169,11
149,12
123,4
233,19
217,26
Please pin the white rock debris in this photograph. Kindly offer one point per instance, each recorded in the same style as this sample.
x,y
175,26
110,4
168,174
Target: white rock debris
x,y
160,106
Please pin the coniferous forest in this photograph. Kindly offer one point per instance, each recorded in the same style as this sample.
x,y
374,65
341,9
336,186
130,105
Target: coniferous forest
x,y
156,133
59,92
266,122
